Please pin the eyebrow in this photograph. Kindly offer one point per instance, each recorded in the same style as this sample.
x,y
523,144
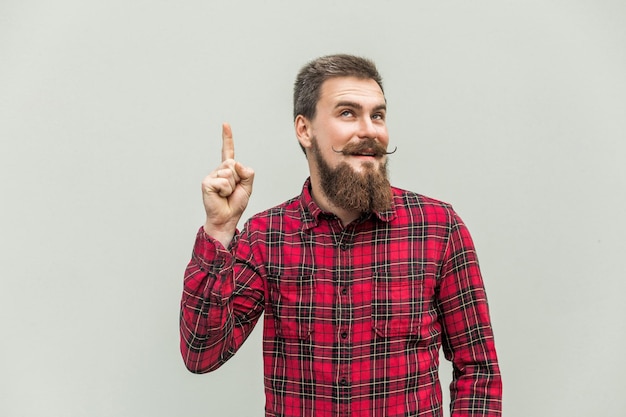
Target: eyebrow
x,y
358,106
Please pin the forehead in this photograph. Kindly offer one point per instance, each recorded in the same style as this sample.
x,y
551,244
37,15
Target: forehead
x,y
359,90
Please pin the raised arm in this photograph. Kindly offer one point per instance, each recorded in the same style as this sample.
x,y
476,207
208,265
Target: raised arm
x,y
221,303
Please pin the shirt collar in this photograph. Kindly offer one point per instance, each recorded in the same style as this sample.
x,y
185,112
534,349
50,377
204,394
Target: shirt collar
x,y
311,212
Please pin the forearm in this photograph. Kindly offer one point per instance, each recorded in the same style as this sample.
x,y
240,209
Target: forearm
x,y
476,390
205,323
216,314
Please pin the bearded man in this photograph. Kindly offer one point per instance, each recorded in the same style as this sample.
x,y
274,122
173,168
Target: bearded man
x,y
361,283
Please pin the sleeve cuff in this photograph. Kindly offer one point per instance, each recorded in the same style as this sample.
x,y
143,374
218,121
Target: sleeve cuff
x,y
209,253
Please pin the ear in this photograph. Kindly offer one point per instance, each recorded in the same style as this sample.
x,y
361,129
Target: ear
x,y
303,131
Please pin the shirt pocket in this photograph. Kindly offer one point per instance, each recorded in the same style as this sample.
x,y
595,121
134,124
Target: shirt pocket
x,y
398,302
292,306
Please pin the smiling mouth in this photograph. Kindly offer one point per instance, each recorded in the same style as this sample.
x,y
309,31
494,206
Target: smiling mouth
x,y
368,148
368,154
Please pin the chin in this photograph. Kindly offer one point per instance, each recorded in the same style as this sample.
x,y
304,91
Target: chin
x,y
363,166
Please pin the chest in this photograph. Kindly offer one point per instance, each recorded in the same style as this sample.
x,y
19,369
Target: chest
x,y
378,279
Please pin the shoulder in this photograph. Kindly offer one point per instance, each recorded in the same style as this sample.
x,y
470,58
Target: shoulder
x,y
289,211
427,215
411,202
435,215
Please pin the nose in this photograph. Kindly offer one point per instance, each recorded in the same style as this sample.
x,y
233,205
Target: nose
x,y
367,128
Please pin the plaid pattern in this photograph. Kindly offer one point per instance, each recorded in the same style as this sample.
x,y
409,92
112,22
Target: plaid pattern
x,y
354,316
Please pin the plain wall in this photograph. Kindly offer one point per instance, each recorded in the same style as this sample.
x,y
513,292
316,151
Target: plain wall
x,y
110,115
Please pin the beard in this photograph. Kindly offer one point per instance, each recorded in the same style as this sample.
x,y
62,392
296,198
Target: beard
x,y
367,191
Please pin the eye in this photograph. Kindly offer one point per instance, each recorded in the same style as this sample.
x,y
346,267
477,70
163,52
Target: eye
x,y
378,116
347,113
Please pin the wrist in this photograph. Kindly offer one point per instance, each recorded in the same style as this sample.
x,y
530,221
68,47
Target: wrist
x,y
221,234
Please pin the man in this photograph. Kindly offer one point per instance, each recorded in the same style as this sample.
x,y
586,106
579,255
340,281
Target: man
x,y
361,283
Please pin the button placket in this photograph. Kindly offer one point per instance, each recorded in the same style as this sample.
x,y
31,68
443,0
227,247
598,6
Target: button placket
x,y
344,312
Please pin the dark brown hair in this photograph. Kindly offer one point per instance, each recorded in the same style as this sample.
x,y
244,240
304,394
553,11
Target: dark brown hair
x,y
306,89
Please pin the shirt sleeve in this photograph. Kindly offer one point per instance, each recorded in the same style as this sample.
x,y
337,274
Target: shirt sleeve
x,y
221,303
468,341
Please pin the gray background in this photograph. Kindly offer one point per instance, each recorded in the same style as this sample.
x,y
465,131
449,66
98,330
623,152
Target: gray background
x,y
110,114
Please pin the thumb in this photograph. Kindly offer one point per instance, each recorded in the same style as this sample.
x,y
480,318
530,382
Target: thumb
x,y
246,176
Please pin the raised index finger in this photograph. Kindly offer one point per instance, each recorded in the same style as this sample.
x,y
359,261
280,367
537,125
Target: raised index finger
x,y
228,145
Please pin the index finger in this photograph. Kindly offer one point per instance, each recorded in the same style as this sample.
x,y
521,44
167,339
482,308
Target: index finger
x,y
228,145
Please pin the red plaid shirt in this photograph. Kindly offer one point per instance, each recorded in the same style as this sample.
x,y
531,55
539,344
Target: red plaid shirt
x,y
354,316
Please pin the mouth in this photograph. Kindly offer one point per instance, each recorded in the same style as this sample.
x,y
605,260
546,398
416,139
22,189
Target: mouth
x,y
365,154
369,153
365,149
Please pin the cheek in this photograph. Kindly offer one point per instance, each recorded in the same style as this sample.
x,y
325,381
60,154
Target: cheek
x,y
337,136
383,137
341,131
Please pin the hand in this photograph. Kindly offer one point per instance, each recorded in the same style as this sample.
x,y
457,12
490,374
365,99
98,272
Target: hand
x,y
226,192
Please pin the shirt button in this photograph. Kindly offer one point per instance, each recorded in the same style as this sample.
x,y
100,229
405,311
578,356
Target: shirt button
x,y
344,291
343,382
343,247
344,335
